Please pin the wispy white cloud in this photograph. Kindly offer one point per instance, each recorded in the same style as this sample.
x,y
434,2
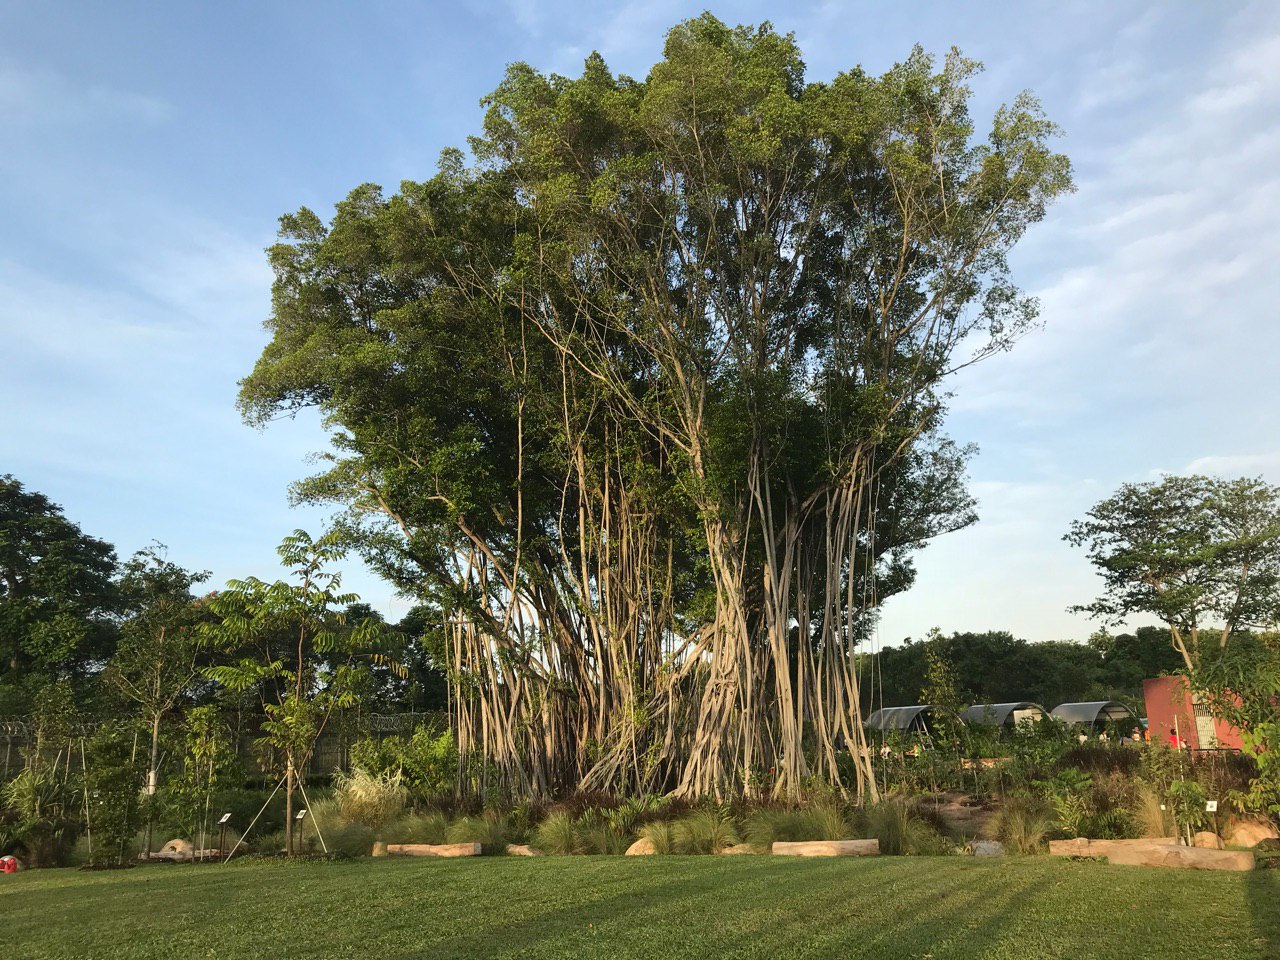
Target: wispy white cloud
x,y
44,96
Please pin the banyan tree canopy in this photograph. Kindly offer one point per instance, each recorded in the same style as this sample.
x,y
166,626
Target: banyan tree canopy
x,y
902,719
1095,711
1001,714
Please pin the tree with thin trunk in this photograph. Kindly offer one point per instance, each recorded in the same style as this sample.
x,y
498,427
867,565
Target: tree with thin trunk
x,y
157,656
1200,554
293,645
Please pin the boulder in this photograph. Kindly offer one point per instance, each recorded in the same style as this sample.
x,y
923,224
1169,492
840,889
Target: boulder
x,y
1188,858
828,848
1251,832
1207,841
379,849
177,849
521,850
433,849
984,848
1082,847
736,849
642,848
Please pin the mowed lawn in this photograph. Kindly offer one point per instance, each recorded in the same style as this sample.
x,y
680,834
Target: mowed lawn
x,y
616,907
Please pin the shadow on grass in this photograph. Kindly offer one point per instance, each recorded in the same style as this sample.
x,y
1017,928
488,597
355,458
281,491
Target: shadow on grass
x,y
644,920
889,908
1262,892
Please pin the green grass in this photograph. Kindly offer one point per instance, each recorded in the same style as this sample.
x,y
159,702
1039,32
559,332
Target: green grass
x,y
656,907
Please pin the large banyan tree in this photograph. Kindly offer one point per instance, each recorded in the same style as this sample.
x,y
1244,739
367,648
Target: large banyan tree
x,y
645,396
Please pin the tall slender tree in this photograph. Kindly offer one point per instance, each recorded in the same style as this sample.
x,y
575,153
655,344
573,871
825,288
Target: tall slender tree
x,y
158,656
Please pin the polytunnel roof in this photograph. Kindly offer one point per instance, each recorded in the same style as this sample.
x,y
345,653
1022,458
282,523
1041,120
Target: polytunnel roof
x,y
897,718
998,714
1091,712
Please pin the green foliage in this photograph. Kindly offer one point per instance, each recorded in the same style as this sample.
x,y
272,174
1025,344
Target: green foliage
x,y
292,644
1243,688
45,814
112,785
1196,552
668,302
1186,801
427,761
596,836
207,761
633,811
57,599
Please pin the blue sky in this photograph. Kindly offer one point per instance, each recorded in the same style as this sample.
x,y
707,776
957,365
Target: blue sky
x,y
147,149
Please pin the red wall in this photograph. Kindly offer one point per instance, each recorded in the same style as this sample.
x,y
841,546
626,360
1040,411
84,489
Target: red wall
x,y
1169,708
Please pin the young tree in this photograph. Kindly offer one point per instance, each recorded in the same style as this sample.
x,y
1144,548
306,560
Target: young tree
x,y
1198,553
294,646
157,658
648,402
1244,689
57,598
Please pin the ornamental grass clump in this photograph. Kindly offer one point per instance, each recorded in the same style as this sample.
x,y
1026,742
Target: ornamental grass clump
x,y
369,799
661,835
706,831
489,830
598,837
821,821
1024,824
557,835
430,827
902,830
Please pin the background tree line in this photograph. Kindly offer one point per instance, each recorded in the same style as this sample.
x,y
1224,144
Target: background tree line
x,y
994,666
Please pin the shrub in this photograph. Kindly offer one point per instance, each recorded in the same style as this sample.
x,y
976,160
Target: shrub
x,y
427,760
557,835
370,799
706,831
113,779
43,825
634,811
821,821
1113,824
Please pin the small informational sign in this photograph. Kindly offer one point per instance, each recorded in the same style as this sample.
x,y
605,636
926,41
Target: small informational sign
x,y
1163,807
225,818
301,813
1211,806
